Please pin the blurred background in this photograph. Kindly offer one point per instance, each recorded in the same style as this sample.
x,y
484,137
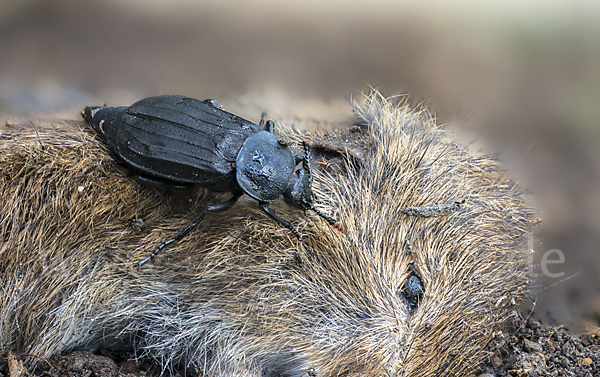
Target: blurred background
x,y
521,78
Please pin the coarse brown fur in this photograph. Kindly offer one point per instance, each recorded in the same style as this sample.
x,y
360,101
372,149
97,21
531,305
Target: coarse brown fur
x,y
240,296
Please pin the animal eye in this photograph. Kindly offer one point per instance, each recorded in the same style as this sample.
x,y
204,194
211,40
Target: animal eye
x,y
412,291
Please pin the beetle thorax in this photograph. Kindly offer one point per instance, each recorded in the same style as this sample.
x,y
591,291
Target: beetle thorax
x,y
264,167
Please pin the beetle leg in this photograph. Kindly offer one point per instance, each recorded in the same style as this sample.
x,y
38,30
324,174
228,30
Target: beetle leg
x,y
262,120
270,126
212,102
213,208
264,207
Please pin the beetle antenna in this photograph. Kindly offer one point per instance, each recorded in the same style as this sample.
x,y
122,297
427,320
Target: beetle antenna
x,y
306,160
330,220
307,139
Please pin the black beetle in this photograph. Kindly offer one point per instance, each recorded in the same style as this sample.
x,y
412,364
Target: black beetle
x,y
174,142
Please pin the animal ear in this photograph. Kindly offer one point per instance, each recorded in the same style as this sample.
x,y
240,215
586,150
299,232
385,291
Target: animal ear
x,y
332,150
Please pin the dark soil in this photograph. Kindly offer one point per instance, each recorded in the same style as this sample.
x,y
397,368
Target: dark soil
x,y
528,349
535,350
78,364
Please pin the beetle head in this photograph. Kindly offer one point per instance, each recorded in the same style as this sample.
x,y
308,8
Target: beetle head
x,y
299,191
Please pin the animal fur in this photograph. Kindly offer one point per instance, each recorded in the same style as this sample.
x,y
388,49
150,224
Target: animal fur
x,y
240,296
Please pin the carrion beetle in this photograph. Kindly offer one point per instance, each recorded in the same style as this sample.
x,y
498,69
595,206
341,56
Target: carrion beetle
x,y
174,142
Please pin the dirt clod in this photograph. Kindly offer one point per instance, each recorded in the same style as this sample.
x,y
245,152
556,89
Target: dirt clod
x,y
15,366
534,350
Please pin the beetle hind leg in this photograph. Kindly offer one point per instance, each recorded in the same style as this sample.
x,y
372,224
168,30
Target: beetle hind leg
x,y
212,102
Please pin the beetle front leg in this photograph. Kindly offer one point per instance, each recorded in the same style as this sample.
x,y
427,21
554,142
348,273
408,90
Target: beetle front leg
x,y
213,208
264,207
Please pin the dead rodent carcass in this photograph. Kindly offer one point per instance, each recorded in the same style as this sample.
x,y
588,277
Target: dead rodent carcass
x,y
432,261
